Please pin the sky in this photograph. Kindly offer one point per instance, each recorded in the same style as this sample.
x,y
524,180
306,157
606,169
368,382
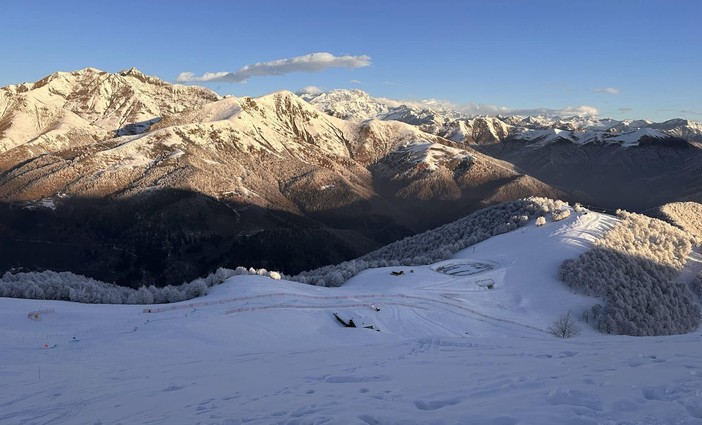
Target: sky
x,y
636,59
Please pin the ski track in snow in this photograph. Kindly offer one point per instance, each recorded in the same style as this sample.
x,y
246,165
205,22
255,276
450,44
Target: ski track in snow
x,y
258,351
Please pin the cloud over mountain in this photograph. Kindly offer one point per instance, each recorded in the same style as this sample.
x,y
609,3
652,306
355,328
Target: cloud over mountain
x,y
488,109
568,111
607,90
313,90
313,62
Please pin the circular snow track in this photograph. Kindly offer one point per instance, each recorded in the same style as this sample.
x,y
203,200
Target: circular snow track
x,y
461,268
469,275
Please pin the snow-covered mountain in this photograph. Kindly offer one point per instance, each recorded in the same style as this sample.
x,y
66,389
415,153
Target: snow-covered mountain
x,y
70,109
633,164
351,105
357,105
261,162
243,149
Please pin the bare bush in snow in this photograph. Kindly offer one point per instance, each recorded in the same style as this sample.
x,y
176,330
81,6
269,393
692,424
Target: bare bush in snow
x,y
540,221
565,326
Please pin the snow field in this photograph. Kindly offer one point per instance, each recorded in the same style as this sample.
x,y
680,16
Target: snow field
x,y
259,351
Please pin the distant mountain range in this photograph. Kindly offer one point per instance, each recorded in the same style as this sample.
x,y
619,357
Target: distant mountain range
x,y
358,106
145,181
128,178
632,164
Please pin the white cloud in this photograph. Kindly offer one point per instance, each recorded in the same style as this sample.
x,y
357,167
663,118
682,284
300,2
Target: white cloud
x,y
313,90
681,111
313,62
355,82
568,111
466,108
487,109
394,103
607,90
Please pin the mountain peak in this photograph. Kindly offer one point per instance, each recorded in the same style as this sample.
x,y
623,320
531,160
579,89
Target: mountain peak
x,y
131,71
73,108
353,105
88,70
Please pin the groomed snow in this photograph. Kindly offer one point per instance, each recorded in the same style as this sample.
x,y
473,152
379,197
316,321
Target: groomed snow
x,y
259,351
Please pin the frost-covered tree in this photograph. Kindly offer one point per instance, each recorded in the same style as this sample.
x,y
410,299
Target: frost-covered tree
x,y
560,214
66,286
686,215
696,285
633,268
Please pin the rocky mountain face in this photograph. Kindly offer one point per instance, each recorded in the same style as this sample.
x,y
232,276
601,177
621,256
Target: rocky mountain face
x,y
71,109
614,164
127,178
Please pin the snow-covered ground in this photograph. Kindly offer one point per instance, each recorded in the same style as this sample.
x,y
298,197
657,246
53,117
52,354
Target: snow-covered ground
x,y
447,351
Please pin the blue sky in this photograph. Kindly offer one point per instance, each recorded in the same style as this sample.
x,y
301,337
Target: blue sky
x,y
626,59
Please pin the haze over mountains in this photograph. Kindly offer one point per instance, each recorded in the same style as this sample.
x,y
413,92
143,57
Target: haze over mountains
x,y
127,178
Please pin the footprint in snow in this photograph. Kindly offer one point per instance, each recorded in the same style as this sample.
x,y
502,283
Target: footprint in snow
x,y
435,404
369,420
355,379
644,359
305,410
571,397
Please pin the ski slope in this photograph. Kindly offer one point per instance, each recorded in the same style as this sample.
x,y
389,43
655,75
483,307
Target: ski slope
x,y
447,350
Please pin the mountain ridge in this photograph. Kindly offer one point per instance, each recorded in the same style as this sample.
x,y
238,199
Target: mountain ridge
x,y
632,164
452,124
270,169
275,161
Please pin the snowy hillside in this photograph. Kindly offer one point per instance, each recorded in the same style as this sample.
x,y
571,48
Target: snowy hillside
x,y
463,341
